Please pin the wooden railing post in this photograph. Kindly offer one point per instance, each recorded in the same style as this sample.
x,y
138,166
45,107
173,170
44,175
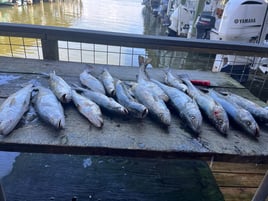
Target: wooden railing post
x,y
262,193
50,49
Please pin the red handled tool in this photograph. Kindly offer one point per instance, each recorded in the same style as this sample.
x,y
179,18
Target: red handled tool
x,y
201,82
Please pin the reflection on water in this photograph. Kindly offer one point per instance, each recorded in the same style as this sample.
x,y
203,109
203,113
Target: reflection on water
x,y
61,13
103,15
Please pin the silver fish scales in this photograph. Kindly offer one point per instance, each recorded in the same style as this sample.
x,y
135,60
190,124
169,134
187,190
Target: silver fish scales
x,y
48,107
259,113
186,107
214,111
60,88
88,109
171,80
149,96
108,82
123,96
103,101
156,106
91,82
238,114
144,79
13,108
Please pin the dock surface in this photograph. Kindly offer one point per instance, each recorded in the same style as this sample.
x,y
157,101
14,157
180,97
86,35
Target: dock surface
x,y
123,136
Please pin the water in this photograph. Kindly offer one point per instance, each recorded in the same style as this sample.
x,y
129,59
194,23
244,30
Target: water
x,y
104,15
61,177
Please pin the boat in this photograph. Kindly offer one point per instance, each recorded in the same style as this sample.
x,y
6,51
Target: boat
x,y
228,20
6,3
242,21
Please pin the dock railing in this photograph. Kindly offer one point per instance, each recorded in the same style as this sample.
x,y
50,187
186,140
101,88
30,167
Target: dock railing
x,y
121,49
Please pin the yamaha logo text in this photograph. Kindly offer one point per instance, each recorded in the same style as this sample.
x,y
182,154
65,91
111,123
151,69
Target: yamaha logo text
x,y
247,20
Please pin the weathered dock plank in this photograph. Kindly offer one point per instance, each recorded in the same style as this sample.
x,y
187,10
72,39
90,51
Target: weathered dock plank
x,y
123,135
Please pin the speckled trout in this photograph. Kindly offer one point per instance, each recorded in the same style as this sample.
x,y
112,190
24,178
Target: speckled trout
x,y
48,107
214,111
238,114
88,108
60,88
171,80
13,108
258,112
91,82
103,101
124,97
108,82
186,107
156,106
143,78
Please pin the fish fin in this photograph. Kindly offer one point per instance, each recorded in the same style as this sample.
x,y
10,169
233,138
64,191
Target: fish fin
x,y
147,61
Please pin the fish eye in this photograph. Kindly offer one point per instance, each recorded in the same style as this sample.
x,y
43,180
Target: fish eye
x,y
220,121
248,123
192,117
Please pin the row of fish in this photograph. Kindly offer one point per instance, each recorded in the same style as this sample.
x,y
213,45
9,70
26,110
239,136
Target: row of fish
x,y
138,99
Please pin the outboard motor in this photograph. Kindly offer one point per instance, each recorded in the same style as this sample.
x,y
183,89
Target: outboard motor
x,y
242,20
203,26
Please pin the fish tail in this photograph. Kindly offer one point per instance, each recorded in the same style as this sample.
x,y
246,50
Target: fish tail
x,y
143,61
147,62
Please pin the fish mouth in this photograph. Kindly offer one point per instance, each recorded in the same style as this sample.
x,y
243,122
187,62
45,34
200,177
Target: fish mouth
x,y
223,128
194,124
165,119
113,92
257,132
66,98
144,113
60,124
125,111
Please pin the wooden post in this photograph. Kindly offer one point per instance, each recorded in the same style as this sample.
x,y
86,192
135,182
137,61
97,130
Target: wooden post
x,y
50,49
262,192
